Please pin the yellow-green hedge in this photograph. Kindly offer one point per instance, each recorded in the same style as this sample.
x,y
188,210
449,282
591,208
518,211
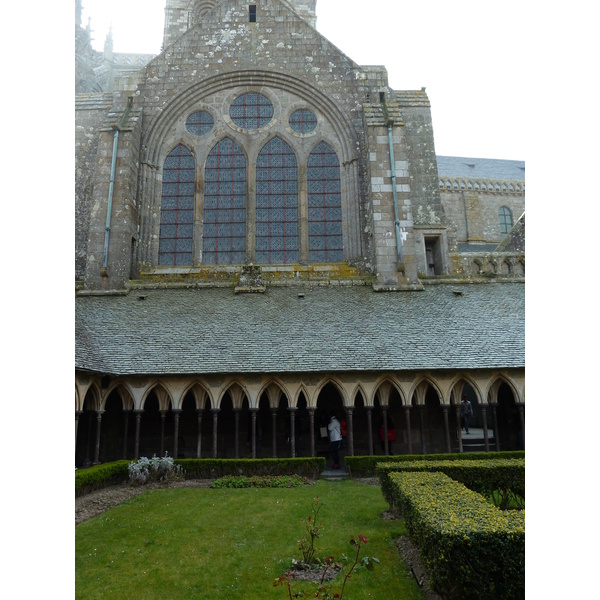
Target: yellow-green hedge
x,y
506,476
472,549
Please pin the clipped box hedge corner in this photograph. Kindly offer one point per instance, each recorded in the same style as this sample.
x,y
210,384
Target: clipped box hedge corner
x,y
472,549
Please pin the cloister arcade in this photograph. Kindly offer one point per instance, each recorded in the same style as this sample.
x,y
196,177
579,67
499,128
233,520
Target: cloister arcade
x,y
263,417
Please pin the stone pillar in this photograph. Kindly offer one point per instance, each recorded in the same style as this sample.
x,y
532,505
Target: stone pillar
x,y
494,406
446,428
99,414
78,414
253,412
138,420
422,425
215,413
369,410
311,420
485,429
350,426
292,410
176,413
199,438
458,427
408,432
521,407
125,431
274,430
163,416
236,416
385,430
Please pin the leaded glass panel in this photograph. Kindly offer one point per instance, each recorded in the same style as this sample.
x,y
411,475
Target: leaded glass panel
x,y
176,210
251,110
506,221
276,204
303,120
325,205
199,122
224,231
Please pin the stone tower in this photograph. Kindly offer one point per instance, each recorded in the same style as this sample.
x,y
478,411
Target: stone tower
x,y
181,15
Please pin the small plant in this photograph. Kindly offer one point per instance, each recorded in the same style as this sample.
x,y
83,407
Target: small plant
x,y
153,469
258,481
313,531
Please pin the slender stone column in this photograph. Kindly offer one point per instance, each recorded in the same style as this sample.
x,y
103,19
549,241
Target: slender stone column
x,y
274,429
292,410
125,431
350,425
422,424
485,429
99,414
494,406
163,417
385,430
78,414
311,420
215,413
253,412
521,407
458,427
446,428
236,416
408,432
369,410
138,420
176,413
199,439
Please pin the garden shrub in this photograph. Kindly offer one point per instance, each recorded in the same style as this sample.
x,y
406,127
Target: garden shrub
x,y
154,469
100,476
260,481
365,466
506,476
472,550
213,468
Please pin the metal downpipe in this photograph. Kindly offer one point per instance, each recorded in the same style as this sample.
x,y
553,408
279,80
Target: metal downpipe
x,y
104,270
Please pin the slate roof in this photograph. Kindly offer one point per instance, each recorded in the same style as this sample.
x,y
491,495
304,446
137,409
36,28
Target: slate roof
x,y
481,168
330,329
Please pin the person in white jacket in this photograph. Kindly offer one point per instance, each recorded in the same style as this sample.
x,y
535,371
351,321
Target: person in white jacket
x,y
335,440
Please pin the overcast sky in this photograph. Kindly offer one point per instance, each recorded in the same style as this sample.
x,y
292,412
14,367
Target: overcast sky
x,y
469,55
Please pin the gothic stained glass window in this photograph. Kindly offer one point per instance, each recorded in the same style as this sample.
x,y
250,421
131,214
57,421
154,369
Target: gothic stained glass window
x,y
276,204
199,122
303,121
324,205
506,221
224,231
251,110
177,208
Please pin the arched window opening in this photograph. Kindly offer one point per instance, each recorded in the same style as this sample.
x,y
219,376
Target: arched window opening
x,y
506,220
276,204
224,231
177,208
324,205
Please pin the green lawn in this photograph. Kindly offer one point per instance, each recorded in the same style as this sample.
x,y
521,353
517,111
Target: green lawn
x,y
234,543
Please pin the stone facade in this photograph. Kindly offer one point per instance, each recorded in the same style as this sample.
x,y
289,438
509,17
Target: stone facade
x,y
404,221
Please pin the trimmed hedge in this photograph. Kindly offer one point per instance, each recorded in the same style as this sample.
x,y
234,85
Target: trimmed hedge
x,y
365,466
213,468
100,476
472,549
482,476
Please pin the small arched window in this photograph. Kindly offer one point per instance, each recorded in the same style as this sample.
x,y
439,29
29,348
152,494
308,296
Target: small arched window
x,y
177,208
506,220
324,205
224,232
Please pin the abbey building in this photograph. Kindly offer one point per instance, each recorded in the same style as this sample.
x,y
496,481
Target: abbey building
x,y
265,236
